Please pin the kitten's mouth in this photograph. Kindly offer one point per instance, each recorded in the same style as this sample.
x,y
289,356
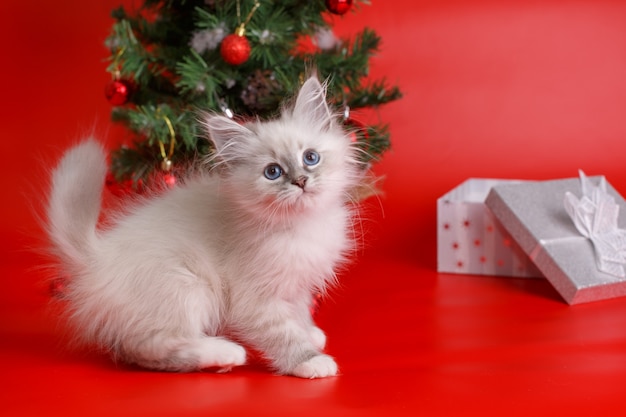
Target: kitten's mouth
x,y
300,197
305,191
296,201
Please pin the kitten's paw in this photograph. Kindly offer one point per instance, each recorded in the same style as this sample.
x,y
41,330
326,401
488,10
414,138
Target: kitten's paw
x,y
320,366
223,354
318,338
231,354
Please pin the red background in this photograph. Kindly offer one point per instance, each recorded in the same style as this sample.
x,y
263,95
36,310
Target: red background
x,y
515,89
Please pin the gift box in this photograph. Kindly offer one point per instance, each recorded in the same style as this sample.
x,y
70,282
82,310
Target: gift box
x,y
470,239
571,230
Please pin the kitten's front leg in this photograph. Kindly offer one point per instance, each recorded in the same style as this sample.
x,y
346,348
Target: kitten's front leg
x,y
318,337
290,341
301,354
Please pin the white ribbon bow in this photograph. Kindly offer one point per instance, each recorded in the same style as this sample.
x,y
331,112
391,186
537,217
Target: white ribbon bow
x,y
595,216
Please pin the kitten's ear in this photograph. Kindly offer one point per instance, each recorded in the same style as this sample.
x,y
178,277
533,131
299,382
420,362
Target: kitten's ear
x,y
311,104
224,132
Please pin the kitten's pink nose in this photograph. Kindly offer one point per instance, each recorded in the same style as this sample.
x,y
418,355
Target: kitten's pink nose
x,y
300,181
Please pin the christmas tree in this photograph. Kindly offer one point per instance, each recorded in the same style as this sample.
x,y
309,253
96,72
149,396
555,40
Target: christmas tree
x,y
171,58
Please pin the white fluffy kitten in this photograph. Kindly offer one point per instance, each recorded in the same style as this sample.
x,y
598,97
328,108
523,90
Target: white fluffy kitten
x,y
233,256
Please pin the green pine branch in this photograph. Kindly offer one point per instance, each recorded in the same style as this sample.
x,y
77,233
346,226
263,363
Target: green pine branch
x,y
152,50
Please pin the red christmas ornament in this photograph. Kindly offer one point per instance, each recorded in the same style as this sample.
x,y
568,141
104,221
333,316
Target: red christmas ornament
x,y
338,6
117,92
235,49
169,180
162,181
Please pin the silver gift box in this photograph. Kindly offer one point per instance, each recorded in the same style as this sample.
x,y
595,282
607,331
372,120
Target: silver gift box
x,y
534,215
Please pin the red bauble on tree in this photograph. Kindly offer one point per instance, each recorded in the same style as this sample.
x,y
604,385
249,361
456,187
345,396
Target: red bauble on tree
x,y
167,178
235,49
118,91
338,6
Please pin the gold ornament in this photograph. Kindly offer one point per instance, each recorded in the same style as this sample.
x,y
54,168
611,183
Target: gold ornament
x,y
166,163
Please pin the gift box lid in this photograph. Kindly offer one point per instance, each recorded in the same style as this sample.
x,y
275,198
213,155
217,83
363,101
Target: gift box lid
x,y
535,216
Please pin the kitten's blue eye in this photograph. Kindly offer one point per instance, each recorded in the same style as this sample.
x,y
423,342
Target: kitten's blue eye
x,y
273,172
311,157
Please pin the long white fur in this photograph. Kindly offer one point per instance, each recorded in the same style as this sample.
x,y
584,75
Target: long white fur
x,y
229,258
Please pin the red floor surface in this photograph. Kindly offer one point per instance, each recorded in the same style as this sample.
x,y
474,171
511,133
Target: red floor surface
x,y
515,89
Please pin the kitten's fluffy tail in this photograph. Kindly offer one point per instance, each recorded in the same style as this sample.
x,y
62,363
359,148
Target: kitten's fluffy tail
x,y
75,201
